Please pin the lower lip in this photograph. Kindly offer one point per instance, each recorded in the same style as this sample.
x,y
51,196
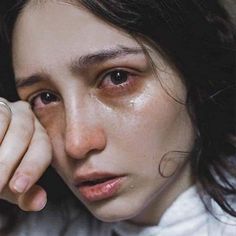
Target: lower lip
x,y
101,191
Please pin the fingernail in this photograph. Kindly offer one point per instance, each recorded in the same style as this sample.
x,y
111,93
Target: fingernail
x,y
21,184
40,203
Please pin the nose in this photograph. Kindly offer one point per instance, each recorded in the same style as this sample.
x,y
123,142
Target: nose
x,y
83,138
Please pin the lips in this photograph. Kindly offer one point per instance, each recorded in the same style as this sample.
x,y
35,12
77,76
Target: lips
x,y
98,186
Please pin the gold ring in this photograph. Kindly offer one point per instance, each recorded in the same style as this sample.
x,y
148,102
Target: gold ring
x,y
4,104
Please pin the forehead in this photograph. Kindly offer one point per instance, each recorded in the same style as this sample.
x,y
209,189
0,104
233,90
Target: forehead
x,y
54,32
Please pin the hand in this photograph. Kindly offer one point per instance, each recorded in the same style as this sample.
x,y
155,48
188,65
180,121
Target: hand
x,y
25,153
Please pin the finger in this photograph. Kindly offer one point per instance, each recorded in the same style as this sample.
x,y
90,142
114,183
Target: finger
x,y
34,163
5,118
33,200
16,141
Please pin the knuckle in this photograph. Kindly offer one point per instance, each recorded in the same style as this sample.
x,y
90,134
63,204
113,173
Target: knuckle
x,y
26,171
27,114
25,108
24,113
25,131
24,128
23,105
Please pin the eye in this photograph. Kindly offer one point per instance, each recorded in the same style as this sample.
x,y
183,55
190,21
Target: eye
x,y
43,99
118,77
118,82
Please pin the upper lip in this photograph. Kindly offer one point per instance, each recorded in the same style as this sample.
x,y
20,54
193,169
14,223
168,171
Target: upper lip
x,y
93,176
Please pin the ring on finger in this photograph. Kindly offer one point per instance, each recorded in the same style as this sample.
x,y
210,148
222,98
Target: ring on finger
x,y
4,104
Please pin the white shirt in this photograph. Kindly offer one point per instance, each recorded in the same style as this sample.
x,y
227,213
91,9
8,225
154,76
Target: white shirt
x,y
187,216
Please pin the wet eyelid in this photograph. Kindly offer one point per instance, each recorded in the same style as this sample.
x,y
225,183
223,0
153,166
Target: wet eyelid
x,y
106,73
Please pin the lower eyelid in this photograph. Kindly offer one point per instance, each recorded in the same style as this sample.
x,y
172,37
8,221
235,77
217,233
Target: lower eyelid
x,y
37,96
130,78
127,88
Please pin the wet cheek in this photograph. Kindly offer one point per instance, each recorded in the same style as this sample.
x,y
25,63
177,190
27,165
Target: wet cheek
x,y
147,114
142,130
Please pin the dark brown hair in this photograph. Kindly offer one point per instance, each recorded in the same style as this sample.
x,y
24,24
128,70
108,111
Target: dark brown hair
x,y
198,38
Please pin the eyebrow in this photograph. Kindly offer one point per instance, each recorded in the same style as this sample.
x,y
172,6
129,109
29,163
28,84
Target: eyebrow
x,y
29,81
83,62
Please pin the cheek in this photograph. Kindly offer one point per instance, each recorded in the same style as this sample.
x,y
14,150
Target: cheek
x,y
152,127
150,119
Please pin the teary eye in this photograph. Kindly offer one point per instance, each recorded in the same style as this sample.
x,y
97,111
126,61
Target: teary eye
x,y
47,97
118,77
43,99
119,82
115,79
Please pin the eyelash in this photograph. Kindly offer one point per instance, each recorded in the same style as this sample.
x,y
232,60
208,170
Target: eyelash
x,y
122,86
104,83
39,94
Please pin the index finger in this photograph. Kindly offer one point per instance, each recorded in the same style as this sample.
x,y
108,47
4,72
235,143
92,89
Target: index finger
x,y
34,163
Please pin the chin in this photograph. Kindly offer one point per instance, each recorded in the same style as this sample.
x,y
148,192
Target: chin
x,y
110,217
113,211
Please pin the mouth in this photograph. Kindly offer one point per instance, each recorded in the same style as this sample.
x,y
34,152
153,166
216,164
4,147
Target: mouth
x,y
96,187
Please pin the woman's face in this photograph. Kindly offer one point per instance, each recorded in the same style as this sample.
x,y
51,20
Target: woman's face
x,y
110,120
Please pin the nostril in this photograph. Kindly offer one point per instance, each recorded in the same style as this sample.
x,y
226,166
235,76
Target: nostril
x,y
79,144
77,148
100,140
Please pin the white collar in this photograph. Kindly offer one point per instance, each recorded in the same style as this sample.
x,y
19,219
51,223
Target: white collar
x,y
185,216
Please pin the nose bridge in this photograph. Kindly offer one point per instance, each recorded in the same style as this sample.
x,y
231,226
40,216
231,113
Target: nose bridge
x,y
83,132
